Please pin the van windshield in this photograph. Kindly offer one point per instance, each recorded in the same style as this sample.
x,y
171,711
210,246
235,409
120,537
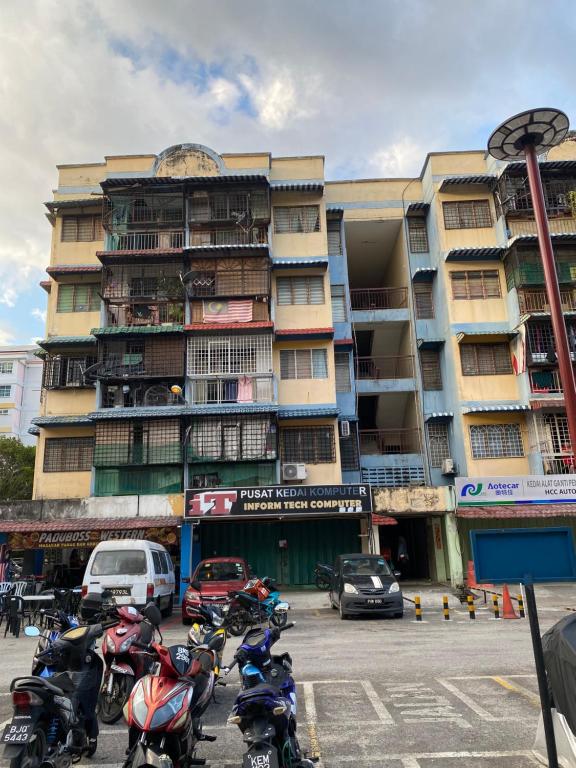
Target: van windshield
x,y
119,563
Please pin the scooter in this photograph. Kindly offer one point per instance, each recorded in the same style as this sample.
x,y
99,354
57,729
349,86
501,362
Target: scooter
x,y
163,711
211,632
323,576
265,708
257,601
125,659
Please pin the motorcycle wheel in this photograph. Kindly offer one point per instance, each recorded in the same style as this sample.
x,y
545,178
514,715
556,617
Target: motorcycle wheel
x,y
279,619
110,705
237,624
322,582
33,754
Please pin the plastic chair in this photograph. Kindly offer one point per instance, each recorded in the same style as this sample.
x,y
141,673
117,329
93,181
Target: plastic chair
x,y
20,588
16,613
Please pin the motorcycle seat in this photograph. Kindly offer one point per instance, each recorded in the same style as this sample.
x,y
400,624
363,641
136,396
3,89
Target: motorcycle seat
x,y
258,691
59,684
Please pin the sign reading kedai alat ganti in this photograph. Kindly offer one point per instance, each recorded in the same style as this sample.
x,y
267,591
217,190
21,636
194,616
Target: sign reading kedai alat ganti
x,y
530,489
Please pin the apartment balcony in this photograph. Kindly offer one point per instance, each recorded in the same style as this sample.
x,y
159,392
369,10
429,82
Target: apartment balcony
x,y
537,301
376,375
523,266
228,277
545,382
517,201
62,372
158,281
386,442
522,227
391,458
375,305
154,358
145,240
145,314
231,438
143,208
559,464
136,394
207,239
237,206
240,389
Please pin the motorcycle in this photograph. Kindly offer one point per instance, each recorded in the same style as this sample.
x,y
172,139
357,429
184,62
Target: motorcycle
x,y
163,711
53,622
125,659
257,601
265,708
323,576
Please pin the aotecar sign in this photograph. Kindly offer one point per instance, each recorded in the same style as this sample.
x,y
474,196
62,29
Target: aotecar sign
x,y
277,500
531,489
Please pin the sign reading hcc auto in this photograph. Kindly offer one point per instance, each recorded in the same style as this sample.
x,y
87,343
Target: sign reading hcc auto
x,y
278,500
531,489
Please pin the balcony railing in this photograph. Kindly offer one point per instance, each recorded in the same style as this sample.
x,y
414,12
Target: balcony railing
x,y
384,442
378,298
137,395
146,241
559,464
537,301
515,193
233,206
528,226
235,236
545,382
397,367
156,358
232,389
165,313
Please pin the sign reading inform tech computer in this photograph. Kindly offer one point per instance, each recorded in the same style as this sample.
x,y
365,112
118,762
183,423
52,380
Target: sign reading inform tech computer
x,y
531,489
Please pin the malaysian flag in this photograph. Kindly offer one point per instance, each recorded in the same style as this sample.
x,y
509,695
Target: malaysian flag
x,y
227,311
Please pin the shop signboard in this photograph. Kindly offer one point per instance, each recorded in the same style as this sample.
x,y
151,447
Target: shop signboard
x,y
88,539
528,489
277,501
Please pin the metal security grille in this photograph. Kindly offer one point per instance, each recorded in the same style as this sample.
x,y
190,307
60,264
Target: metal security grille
x,y
303,364
541,343
431,372
68,454
157,441
300,290
78,298
144,209
393,477
423,303
485,359
438,442
235,236
228,277
417,235
296,219
81,229
475,284
349,457
551,438
217,355
515,194
334,237
159,281
60,372
472,214
342,368
238,389
495,441
311,445
141,359
233,438
235,206
338,294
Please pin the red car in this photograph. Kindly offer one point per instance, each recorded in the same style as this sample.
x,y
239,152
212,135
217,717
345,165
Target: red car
x,y
213,579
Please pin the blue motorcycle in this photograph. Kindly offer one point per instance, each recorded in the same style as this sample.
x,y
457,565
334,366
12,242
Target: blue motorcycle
x,y
265,708
248,609
54,623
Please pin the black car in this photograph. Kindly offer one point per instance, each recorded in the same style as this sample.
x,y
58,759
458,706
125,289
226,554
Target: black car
x,y
365,584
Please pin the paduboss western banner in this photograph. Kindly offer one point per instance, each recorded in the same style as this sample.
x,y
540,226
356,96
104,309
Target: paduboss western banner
x,y
277,500
67,539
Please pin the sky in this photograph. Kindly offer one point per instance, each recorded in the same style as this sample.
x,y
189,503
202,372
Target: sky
x,y
371,84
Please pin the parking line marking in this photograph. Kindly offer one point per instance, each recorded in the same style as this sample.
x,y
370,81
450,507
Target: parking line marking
x,y
410,762
480,711
311,717
377,703
416,756
517,688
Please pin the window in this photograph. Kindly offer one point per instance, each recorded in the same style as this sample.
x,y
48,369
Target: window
x,y
431,373
300,290
485,359
417,235
423,304
82,229
296,219
78,298
342,367
349,459
476,284
4,411
116,562
469,215
7,367
5,390
495,441
438,442
158,441
68,454
66,371
311,445
334,237
234,438
303,364
338,294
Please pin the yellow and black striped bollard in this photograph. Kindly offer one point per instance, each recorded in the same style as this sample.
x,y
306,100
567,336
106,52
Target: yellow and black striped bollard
x,y
521,607
445,608
418,608
471,608
495,606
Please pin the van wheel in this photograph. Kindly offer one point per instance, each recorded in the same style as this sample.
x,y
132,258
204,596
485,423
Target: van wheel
x,y
169,607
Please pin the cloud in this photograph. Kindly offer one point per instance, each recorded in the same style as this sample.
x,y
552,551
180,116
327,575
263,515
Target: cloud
x,y
39,314
403,158
6,337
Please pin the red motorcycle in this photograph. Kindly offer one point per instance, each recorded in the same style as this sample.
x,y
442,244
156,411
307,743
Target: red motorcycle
x,y
126,657
163,711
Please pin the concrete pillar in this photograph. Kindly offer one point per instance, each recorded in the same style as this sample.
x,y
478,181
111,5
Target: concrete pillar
x,y
438,549
454,553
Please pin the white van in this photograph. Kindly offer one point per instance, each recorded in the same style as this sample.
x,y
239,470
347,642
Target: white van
x,y
136,572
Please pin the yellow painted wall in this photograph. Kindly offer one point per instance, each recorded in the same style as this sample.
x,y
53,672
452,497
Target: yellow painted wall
x,y
288,316
72,323
70,402
320,474
124,163
455,163
397,271
495,467
84,175
248,161
374,190
499,387
564,151
476,310
60,485
73,253
297,168
464,238
306,391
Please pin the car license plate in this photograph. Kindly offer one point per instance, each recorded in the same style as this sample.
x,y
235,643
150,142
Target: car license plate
x,y
117,591
19,731
256,758
374,601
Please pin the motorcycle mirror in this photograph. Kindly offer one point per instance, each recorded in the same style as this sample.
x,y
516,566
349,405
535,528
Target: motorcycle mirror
x,y
31,631
152,613
397,574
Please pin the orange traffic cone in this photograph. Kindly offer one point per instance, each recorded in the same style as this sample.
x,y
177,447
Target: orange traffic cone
x,y
508,611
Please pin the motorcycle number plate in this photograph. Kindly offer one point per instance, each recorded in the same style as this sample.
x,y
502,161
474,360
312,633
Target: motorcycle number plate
x,y
19,731
266,758
374,601
119,591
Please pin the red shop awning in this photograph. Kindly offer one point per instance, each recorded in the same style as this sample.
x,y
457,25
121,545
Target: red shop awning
x,y
89,524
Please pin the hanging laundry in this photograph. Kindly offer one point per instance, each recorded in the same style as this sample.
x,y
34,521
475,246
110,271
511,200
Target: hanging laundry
x,y
227,311
245,390
519,351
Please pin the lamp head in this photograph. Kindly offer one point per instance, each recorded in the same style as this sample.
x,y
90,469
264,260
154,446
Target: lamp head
x,y
541,128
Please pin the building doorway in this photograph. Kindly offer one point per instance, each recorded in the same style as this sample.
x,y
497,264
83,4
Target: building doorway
x,y
409,537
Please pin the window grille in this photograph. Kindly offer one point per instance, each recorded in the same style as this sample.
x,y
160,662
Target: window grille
x,y
423,303
393,477
303,364
240,389
78,298
228,277
154,357
338,294
60,372
417,235
438,442
472,214
157,441
204,206
475,284
342,368
214,355
81,229
296,219
431,372
349,458
68,454
485,359
334,237
495,441
4,411
311,445
300,290
233,438
7,367
5,390
541,342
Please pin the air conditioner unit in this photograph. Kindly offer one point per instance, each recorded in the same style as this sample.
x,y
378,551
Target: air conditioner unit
x,y
344,429
448,467
293,471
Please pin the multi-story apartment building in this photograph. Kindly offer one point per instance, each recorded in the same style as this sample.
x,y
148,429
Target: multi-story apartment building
x,y
20,384
237,320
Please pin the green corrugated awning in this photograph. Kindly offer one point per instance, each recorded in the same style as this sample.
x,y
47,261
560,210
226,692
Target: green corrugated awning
x,y
66,341
137,330
62,421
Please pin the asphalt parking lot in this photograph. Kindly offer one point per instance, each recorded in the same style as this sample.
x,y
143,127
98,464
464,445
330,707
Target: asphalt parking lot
x,y
387,693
